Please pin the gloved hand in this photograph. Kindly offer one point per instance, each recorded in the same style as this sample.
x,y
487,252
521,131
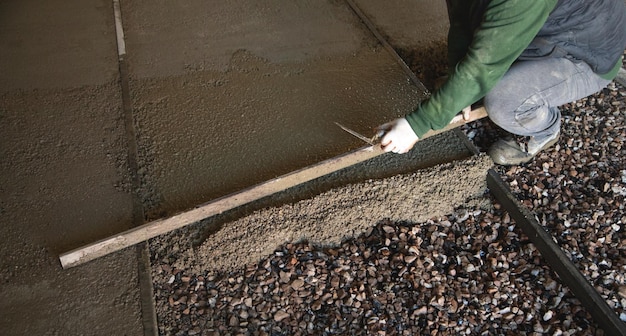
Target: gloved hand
x,y
466,112
399,136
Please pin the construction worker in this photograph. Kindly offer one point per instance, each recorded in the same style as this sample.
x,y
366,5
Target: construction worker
x,y
525,58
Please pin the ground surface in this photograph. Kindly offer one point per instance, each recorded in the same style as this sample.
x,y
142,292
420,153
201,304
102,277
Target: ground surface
x,y
470,271
196,66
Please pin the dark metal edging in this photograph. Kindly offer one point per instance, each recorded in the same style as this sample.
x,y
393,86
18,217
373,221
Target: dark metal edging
x,y
569,274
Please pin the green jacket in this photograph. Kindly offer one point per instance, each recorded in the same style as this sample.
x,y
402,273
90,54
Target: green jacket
x,y
481,48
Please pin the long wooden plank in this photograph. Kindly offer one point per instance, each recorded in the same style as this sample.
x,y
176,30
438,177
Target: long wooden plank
x,y
568,273
161,226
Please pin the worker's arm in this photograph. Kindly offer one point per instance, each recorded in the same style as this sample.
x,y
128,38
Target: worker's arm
x,y
507,28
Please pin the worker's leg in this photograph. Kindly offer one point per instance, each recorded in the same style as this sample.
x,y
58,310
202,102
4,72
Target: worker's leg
x,y
525,102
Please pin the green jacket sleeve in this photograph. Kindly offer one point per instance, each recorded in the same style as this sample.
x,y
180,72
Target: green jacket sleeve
x,y
507,28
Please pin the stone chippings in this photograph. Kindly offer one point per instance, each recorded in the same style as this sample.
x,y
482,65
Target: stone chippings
x,y
472,272
468,273
577,189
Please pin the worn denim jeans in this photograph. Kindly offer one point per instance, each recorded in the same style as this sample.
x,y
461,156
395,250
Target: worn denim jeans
x,y
526,100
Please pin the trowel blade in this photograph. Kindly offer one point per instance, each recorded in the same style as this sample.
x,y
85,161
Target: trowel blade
x,y
356,134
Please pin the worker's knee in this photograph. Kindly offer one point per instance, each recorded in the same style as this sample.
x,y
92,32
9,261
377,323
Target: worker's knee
x,y
529,116
500,109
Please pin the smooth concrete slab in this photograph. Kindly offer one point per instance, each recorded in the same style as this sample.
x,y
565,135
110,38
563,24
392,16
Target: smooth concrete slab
x,y
409,24
56,44
168,38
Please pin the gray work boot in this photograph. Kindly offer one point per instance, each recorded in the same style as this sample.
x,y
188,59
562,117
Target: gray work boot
x,y
508,152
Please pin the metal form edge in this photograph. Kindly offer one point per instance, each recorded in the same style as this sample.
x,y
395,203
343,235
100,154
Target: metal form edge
x,y
569,274
424,93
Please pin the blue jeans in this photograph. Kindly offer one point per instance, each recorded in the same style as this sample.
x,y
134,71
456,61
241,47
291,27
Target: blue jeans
x,y
525,101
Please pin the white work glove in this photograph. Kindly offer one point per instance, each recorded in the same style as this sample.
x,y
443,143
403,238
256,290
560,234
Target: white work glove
x,y
399,136
466,112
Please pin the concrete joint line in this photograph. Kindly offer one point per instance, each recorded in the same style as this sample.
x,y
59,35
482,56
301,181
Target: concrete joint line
x,y
146,290
424,93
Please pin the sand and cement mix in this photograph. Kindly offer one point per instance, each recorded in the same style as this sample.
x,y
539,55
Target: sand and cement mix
x,y
333,216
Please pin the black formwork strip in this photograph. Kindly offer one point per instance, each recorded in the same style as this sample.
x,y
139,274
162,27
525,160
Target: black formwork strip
x,y
606,318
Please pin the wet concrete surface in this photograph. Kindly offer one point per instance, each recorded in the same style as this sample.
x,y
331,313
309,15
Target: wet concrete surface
x,y
198,143
408,24
56,44
62,171
252,98
224,96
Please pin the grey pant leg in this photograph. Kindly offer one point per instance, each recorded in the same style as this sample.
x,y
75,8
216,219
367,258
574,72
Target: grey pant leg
x,y
525,101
